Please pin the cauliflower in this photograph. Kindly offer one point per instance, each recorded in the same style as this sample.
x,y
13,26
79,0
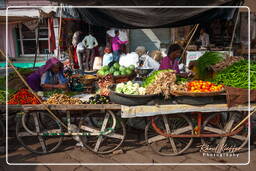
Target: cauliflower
x,y
142,91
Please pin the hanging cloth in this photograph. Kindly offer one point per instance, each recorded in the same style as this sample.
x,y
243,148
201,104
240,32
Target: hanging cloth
x,y
51,35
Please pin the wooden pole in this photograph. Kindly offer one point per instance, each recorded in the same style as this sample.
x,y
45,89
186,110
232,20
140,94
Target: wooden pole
x,y
247,117
37,45
26,84
60,25
233,34
189,40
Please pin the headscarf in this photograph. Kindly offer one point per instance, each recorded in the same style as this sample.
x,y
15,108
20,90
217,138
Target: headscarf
x,y
49,63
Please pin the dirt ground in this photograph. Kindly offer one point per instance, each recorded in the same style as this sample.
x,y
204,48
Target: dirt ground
x,y
133,151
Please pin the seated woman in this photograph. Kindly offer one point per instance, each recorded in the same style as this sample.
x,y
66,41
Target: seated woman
x,y
49,76
171,60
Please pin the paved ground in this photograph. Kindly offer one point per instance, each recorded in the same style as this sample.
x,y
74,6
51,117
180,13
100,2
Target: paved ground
x,y
68,153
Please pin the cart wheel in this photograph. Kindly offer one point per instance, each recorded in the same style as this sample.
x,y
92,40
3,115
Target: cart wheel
x,y
104,132
216,124
29,125
2,133
171,124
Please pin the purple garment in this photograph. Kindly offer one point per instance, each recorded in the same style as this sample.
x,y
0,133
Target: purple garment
x,y
116,43
34,79
167,63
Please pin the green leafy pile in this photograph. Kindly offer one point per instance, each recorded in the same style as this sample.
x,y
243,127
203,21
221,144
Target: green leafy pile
x,y
205,61
3,95
150,79
237,76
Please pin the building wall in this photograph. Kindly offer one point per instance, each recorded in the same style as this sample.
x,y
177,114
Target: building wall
x,y
152,39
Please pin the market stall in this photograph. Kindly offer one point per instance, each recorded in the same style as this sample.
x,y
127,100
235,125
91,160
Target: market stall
x,y
178,109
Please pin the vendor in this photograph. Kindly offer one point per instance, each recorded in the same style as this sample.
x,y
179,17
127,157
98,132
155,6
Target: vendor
x,y
49,76
108,57
171,61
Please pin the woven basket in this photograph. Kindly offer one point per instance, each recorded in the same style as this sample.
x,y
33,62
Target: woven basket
x,y
186,93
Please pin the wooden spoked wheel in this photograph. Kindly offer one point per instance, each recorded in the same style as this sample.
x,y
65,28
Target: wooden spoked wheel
x,y
169,125
39,132
223,123
103,132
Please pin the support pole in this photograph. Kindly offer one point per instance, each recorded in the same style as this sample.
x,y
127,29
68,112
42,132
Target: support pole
x,y
26,84
233,34
60,25
189,40
37,45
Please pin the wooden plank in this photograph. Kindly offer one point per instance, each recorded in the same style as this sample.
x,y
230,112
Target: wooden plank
x,y
145,111
64,107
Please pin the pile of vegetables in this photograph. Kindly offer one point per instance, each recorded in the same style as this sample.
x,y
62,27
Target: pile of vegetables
x,y
236,75
23,97
98,99
116,70
203,86
150,79
104,83
204,62
130,88
62,99
163,83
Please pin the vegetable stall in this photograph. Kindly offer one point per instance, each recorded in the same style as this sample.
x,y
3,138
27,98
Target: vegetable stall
x,y
178,111
206,106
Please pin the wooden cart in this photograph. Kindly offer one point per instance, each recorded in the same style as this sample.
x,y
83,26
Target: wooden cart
x,y
171,129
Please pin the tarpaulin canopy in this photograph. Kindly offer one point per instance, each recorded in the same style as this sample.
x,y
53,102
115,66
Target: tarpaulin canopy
x,y
150,17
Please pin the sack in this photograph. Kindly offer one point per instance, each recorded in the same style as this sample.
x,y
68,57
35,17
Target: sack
x,y
236,96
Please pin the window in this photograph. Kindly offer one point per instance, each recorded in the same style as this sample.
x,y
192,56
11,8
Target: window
x,y
2,4
27,39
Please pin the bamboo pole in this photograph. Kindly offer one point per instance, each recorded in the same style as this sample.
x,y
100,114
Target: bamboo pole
x,y
26,84
37,45
192,35
233,34
60,25
247,117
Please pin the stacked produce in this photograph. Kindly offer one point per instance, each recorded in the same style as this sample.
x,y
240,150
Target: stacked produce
x,y
203,86
98,99
150,79
104,83
23,97
204,62
162,83
130,88
227,62
62,99
116,70
237,76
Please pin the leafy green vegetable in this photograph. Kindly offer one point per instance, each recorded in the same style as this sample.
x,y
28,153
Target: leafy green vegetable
x,y
237,76
205,61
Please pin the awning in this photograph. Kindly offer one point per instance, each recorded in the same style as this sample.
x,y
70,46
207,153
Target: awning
x,y
20,15
149,17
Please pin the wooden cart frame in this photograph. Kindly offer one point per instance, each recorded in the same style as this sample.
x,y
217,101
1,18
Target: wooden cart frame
x,y
158,129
